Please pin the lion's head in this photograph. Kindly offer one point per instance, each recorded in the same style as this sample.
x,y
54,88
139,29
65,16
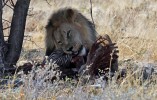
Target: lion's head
x,y
69,31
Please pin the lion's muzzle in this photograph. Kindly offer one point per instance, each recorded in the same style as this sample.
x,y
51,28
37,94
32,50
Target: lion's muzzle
x,y
81,52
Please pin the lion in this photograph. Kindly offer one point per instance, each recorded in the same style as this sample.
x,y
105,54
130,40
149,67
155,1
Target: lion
x,y
70,31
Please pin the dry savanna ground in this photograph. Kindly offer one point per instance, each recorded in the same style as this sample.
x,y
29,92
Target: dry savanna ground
x,y
132,24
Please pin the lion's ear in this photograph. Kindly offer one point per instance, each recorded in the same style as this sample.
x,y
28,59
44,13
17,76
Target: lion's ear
x,y
49,24
70,14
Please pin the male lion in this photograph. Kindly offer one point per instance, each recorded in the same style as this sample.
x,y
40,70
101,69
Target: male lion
x,y
70,31
69,37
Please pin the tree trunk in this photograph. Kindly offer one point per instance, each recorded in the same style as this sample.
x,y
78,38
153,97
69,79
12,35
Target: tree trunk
x,y
16,36
2,43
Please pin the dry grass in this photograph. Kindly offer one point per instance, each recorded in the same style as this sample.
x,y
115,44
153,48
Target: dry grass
x,y
130,23
35,88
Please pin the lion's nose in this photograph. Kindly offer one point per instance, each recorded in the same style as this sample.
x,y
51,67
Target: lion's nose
x,y
70,49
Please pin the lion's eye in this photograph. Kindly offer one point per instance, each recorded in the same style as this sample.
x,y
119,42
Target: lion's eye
x,y
59,42
68,33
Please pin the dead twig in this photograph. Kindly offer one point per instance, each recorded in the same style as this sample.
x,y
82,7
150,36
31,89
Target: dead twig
x,y
12,3
48,3
6,20
5,4
91,12
6,28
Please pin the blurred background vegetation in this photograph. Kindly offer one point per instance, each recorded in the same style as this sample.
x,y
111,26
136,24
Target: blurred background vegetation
x,y
132,24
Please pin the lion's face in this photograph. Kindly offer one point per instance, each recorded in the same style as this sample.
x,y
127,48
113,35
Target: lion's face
x,y
69,30
68,38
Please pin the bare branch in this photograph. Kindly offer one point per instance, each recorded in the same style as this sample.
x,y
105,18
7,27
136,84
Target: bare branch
x,y
91,12
48,2
6,20
6,28
5,4
12,3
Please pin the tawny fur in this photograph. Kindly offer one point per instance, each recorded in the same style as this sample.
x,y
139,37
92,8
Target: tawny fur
x,y
69,17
